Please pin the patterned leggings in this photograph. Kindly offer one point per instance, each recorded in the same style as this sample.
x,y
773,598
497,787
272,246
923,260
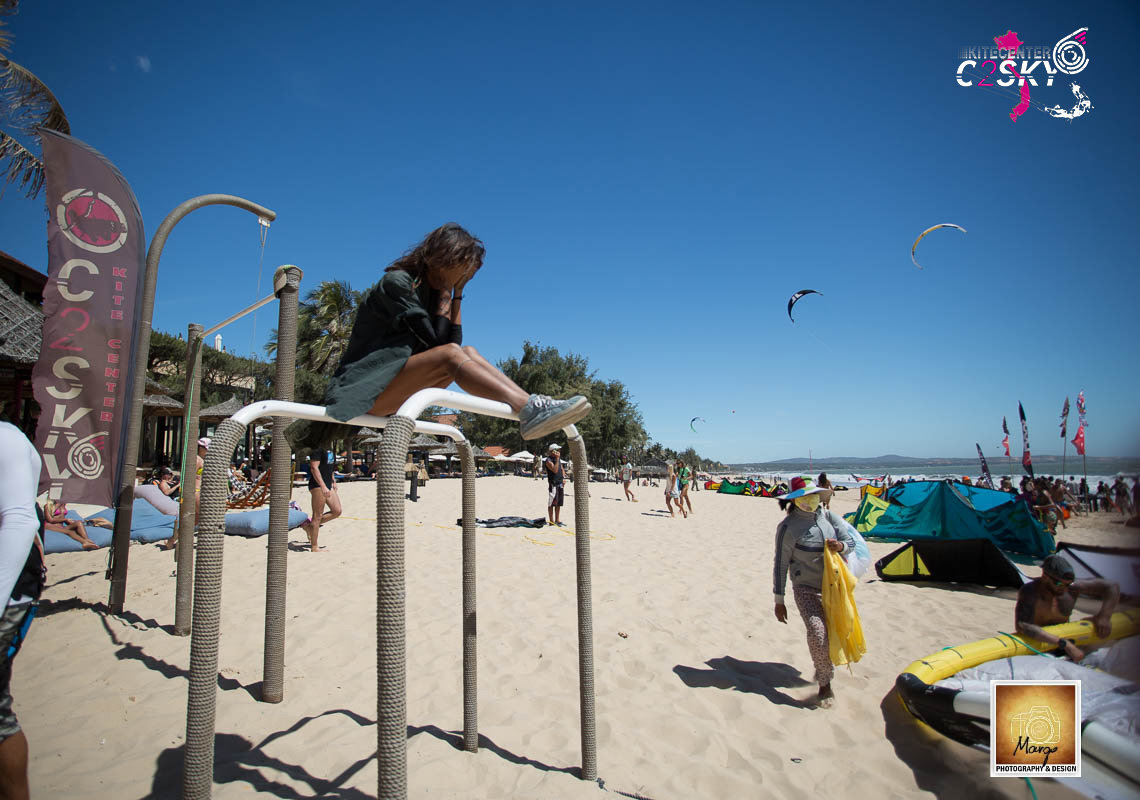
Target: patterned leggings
x,y
810,603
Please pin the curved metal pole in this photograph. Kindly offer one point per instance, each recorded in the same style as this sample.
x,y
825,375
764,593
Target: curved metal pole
x,y
124,507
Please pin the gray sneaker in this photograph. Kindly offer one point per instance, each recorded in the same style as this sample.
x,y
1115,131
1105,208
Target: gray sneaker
x,y
542,415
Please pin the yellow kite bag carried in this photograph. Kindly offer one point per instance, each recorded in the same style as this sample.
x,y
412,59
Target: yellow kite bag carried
x,y
844,632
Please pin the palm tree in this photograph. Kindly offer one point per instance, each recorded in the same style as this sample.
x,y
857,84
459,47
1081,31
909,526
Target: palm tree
x,y
26,104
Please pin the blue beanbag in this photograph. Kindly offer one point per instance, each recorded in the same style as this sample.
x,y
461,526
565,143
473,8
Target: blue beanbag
x,y
150,525
252,524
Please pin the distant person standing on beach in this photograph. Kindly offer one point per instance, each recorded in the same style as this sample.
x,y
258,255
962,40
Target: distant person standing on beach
x,y
555,478
823,483
800,539
322,488
626,477
684,478
673,491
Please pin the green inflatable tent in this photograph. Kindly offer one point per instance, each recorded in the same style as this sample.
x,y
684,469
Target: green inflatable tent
x,y
948,510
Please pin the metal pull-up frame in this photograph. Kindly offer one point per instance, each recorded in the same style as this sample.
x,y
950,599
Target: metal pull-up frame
x,y
391,637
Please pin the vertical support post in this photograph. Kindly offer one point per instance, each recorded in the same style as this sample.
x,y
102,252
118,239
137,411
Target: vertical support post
x,y
470,652
391,637
585,609
188,507
201,703
280,491
124,502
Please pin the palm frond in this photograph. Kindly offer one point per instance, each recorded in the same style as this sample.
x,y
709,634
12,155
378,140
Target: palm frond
x,y
26,104
7,8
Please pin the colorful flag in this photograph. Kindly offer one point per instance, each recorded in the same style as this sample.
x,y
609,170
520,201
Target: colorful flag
x,y
1081,409
1079,440
985,467
1005,444
1065,419
1026,458
83,378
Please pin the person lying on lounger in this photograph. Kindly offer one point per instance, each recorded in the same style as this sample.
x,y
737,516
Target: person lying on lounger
x,y
55,519
1050,599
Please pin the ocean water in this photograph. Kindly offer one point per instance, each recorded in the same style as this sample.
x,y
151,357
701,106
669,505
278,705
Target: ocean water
x,y
844,475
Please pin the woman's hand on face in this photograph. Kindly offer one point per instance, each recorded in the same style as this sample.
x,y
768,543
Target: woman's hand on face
x,y
782,613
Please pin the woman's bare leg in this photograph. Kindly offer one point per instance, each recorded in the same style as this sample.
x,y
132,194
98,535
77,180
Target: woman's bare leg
x,y
73,529
441,365
314,526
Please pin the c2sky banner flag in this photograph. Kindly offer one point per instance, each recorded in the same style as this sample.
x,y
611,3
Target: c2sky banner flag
x,y
82,381
1065,419
1026,459
985,467
1079,440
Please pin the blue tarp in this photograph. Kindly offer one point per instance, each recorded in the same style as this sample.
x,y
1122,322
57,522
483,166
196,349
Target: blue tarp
x,y
948,510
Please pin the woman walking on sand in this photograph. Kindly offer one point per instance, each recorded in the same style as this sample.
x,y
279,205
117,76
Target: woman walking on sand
x,y
408,336
800,539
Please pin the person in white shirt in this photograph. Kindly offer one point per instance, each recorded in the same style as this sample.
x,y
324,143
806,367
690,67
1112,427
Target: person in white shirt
x,y
21,581
626,477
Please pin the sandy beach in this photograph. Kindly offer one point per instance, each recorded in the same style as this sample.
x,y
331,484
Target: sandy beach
x,y
700,691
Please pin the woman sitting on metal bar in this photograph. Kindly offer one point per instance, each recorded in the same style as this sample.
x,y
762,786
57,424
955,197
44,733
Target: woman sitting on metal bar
x,y
408,336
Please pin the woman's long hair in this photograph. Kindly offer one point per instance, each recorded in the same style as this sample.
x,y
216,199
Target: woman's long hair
x,y
447,245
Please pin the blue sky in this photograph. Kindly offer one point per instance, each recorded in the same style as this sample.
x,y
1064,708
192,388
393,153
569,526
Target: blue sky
x,y
653,181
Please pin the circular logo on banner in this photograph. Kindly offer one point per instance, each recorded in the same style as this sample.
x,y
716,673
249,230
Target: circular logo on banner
x,y
92,220
85,457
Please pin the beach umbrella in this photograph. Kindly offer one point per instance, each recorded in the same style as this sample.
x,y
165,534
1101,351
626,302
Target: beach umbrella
x,y
221,411
523,456
423,443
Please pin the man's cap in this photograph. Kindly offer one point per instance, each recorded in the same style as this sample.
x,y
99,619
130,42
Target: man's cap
x,y
554,447
1056,566
204,442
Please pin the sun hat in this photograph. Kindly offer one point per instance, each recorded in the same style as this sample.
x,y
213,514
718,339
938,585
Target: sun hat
x,y
204,442
1056,566
554,447
802,486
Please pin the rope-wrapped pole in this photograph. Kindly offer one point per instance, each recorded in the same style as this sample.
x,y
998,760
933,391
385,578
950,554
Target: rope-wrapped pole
x,y
470,652
201,703
391,665
585,609
188,508
124,505
280,491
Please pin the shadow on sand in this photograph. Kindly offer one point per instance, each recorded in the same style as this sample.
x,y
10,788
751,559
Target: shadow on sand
x,y
764,678
940,765
238,760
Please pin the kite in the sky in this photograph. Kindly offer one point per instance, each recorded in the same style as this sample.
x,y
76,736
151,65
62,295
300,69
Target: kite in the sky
x,y
796,298
694,419
914,246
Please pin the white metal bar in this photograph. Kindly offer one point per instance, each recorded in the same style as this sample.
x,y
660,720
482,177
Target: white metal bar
x,y
280,408
415,405
262,302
